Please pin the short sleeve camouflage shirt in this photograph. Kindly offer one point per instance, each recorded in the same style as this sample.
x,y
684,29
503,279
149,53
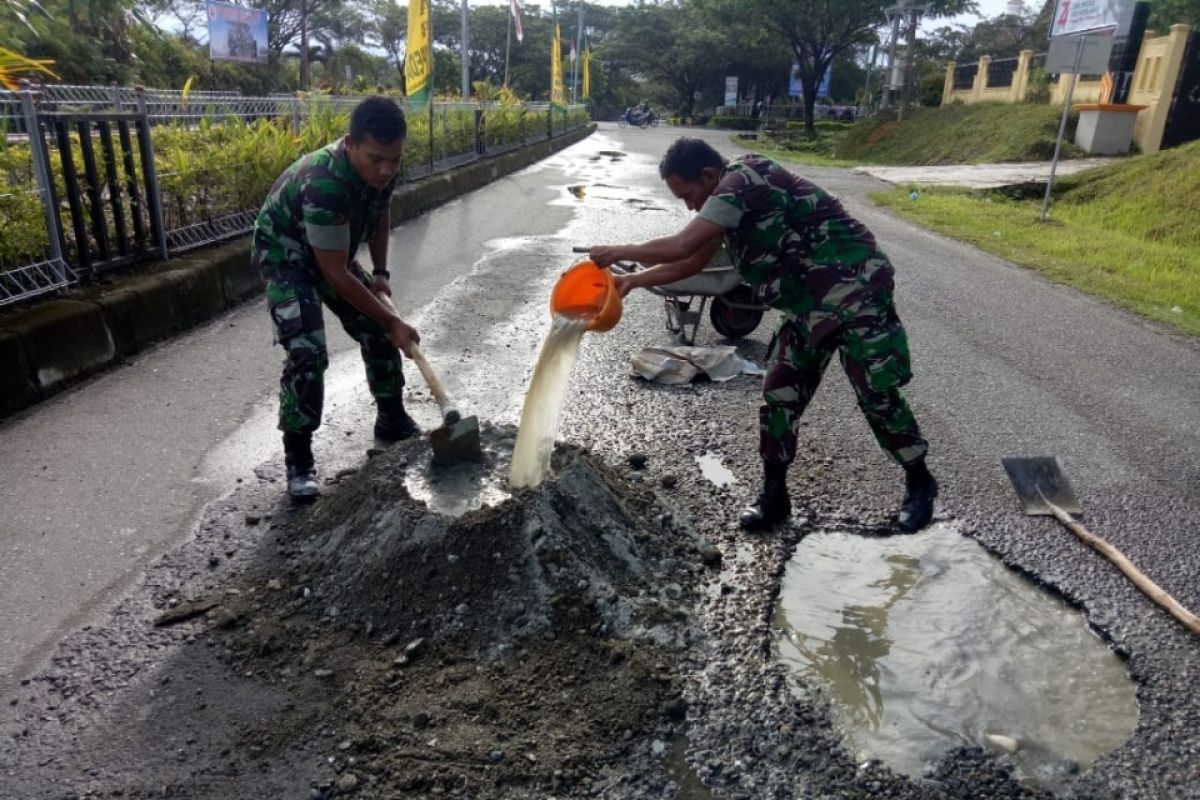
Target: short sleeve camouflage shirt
x,y
318,202
795,244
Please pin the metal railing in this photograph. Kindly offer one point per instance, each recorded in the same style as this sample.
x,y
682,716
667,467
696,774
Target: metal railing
x,y
964,76
1001,72
113,175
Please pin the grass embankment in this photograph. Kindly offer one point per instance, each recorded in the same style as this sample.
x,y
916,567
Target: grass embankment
x,y
1125,232
959,134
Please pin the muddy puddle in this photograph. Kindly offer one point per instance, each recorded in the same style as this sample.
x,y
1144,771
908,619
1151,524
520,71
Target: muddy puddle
x,y
927,643
607,195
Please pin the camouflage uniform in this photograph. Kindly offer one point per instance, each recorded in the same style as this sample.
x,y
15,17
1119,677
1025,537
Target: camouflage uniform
x,y
805,256
319,201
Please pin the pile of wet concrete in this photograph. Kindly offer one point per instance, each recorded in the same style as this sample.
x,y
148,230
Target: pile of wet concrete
x,y
516,650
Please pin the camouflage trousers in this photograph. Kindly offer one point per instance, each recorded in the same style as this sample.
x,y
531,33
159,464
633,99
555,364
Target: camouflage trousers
x,y
295,296
873,349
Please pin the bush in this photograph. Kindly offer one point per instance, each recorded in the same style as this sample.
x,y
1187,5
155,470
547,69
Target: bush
x,y
735,123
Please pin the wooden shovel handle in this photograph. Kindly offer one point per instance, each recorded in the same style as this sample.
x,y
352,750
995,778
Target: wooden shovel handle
x,y
1149,587
431,379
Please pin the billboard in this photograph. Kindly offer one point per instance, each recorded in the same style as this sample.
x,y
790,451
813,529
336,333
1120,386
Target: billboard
x,y
731,93
1080,16
237,33
796,89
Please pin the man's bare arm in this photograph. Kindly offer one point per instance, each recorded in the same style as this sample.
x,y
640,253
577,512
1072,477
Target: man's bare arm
x,y
680,246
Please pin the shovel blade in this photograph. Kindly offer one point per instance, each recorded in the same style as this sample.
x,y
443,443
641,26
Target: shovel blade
x,y
456,442
1037,480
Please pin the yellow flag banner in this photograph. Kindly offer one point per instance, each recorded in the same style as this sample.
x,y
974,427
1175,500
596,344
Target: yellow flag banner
x,y
418,63
587,72
557,89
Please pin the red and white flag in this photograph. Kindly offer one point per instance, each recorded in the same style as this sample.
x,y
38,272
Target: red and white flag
x,y
572,49
515,7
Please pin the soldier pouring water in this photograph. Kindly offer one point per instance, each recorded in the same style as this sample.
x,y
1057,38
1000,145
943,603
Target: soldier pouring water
x,y
804,256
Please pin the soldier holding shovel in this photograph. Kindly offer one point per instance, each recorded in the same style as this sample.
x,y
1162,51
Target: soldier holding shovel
x,y
305,238
806,257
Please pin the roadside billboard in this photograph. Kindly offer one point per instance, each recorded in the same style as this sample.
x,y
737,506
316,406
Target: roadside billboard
x,y
1080,16
237,33
796,88
731,95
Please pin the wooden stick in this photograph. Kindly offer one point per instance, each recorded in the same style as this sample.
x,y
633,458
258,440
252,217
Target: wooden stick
x,y
1148,587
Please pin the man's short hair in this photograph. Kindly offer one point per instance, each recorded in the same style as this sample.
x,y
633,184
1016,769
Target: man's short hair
x,y
687,157
378,117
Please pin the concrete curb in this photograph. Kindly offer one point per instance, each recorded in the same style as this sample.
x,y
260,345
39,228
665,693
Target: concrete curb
x,y
57,343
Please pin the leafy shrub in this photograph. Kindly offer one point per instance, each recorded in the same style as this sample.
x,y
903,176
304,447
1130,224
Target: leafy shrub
x,y
734,123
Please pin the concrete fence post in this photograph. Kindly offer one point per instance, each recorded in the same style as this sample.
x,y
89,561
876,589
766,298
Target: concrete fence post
x,y
1020,84
981,79
948,86
296,114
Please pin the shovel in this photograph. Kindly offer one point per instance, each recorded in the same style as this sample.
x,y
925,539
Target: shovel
x,y
458,437
1043,490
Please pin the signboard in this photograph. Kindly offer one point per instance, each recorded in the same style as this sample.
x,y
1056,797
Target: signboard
x,y
1093,60
796,89
1080,16
731,82
237,33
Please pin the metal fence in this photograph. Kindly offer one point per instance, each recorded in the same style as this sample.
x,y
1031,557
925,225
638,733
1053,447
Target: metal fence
x,y
1001,72
115,175
964,76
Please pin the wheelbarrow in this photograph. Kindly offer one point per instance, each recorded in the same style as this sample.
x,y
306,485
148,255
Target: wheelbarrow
x,y
733,312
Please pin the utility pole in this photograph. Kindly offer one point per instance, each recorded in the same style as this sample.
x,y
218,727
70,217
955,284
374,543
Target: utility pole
x,y
893,15
304,45
910,52
466,61
578,54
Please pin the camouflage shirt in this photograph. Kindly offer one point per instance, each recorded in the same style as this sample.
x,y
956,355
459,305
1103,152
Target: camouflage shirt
x,y
796,246
319,201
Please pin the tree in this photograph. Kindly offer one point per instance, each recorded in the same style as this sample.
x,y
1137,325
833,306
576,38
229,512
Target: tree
x,y
818,31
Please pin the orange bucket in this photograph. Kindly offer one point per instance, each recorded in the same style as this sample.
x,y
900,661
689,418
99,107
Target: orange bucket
x,y
587,292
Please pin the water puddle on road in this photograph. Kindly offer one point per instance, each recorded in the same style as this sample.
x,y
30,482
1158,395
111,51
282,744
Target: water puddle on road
x,y
714,471
926,643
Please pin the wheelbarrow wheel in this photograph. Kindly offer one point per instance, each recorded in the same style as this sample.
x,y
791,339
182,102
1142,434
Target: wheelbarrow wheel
x,y
732,322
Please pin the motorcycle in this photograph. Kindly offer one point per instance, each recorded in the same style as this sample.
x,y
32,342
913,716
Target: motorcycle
x,y
635,117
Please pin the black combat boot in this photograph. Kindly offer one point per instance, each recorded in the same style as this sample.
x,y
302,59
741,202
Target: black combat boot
x,y
920,490
301,475
773,505
392,422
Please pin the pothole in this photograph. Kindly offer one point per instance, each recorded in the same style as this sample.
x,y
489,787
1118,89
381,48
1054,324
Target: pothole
x,y
927,643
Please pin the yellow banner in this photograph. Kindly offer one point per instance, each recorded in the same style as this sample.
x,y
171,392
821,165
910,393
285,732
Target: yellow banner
x,y
587,72
418,63
557,90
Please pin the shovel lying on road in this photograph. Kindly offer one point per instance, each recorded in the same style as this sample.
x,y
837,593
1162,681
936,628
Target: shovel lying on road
x,y
1043,490
458,437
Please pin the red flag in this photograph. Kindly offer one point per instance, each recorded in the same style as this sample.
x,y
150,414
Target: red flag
x,y
515,7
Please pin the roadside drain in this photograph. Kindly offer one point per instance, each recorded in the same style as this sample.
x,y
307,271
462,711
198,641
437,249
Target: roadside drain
x,y
927,643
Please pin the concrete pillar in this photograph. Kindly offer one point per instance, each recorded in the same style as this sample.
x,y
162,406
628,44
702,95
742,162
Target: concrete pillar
x,y
981,77
948,86
1153,121
1020,84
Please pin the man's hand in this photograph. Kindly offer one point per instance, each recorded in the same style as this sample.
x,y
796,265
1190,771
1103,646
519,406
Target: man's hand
x,y
624,284
403,336
380,286
604,255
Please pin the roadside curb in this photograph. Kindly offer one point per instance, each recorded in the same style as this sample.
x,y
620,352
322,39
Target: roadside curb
x,y
55,344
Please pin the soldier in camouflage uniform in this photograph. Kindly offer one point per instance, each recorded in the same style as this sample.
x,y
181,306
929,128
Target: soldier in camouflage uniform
x,y
305,239
803,255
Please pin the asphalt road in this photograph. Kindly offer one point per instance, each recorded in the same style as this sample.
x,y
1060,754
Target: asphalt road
x,y
103,479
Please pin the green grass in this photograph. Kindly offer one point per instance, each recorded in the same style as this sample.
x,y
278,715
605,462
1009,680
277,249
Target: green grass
x,y
960,134
1125,232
